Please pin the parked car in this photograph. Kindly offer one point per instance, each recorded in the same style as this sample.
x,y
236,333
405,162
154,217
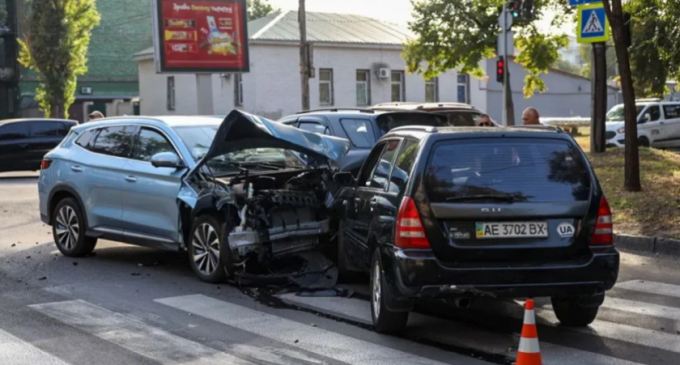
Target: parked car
x,y
362,127
462,212
24,142
658,124
457,114
227,191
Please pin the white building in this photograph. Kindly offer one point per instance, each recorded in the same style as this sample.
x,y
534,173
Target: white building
x,y
349,52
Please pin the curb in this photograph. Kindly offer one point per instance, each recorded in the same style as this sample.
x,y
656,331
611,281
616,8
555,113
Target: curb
x,y
660,246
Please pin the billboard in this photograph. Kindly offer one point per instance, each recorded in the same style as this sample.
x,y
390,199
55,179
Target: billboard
x,y
200,36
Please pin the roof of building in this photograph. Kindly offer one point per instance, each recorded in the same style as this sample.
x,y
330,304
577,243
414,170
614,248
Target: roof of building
x,y
322,27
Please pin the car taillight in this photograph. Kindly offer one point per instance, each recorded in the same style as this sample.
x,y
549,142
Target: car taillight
x,y
45,164
410,232
603,234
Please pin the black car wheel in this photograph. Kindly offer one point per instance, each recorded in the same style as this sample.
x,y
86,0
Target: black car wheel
x,y
205,249
384,320
643,142
571,314
68,229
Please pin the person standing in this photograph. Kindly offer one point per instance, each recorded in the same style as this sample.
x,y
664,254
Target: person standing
x,y
530,116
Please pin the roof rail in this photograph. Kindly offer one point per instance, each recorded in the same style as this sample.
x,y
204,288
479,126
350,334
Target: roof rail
x,y
337,110
544,127
421,128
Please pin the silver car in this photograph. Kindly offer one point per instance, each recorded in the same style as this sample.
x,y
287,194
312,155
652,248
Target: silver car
x,y
242,189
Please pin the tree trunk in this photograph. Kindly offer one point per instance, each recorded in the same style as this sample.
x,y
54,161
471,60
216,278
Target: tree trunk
x,y
57,111
599,97
632,164
508,101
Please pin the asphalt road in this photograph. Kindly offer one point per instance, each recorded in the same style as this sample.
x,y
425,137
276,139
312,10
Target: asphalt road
x,y
130,305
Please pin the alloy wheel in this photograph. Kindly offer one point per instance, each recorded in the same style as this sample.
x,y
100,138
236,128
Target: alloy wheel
x,y
206,249
377,290
67,228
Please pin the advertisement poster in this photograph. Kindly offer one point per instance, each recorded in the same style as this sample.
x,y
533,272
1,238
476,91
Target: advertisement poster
x,y
202,36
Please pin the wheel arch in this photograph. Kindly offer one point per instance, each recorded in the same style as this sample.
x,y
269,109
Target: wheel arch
x,y
61,192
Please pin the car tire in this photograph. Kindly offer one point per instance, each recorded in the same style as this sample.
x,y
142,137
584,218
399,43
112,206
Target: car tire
x,y
643,142
68,229
571,314
205,247
384,320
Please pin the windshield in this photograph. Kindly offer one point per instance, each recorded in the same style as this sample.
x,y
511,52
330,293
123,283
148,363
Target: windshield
x,y
198,140
515,169
615,114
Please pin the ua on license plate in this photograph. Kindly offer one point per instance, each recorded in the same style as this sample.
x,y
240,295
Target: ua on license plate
x,y
511,229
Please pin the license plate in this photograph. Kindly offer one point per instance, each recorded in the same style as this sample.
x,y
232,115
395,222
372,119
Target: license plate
x,y
511,230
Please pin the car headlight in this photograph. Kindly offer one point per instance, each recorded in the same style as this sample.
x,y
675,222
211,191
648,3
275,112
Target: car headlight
x,y
621,130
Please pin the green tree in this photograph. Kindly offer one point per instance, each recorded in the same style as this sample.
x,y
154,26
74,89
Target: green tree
x,y
259,8
55,47
452,34
567,66
586,52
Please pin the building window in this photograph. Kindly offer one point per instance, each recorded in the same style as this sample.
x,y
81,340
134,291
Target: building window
x,y
463,88
398,89
238,89
432,90
171,92
326,86
363,87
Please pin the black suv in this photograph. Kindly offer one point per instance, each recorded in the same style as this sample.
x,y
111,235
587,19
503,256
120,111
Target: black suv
x,y
362,127
457,212
24,142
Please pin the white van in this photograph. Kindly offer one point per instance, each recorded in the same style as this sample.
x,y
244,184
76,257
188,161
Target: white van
x,y
658,124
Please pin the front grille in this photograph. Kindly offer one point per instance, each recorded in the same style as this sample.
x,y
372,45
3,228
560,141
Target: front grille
x,y
622,141
609,135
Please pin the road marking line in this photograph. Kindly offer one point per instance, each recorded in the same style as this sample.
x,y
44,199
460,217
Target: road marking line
x,y
134,335
650,287
15,351
622,332
643,308
315,340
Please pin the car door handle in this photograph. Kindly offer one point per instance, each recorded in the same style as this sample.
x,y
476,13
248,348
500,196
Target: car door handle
x,y
76,169
130,179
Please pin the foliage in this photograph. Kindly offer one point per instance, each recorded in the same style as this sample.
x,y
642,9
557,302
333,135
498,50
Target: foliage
x,y
567,66
586,52
259,8
55,47
654,53
451,34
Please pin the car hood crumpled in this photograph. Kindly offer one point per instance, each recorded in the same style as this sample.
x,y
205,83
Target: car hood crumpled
x,y
241,130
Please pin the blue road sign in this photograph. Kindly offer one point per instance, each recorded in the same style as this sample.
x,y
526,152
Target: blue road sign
x,y
581,2
592,24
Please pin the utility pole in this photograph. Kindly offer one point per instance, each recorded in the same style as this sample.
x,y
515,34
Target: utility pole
x,y
599,100
505,62
304,55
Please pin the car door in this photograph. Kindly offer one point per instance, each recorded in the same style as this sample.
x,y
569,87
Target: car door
x,y
652,126
100,176
45,135
150,209
671,116
13,146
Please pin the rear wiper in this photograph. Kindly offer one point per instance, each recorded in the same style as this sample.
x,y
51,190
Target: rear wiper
x,y
504,198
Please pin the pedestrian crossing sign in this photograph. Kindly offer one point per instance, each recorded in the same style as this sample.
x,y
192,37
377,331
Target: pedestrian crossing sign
x,y
593,25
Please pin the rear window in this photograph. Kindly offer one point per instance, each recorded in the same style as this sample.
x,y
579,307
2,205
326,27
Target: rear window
x,y
387,122
519,169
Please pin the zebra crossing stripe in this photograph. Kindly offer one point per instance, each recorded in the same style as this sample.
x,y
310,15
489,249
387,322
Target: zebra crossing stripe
x,y
133,335
14,351
313,339
643,308
650,287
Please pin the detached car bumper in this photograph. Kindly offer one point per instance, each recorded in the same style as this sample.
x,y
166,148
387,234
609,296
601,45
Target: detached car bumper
x,y
417,274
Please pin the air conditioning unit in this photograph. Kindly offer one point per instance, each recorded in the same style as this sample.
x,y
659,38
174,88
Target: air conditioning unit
x,y
384,73
86,90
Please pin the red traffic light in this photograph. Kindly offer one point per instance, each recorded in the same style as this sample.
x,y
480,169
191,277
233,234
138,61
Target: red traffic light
x,y
500,70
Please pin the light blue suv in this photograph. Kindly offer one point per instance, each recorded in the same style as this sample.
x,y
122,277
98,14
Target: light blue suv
x,y
176,182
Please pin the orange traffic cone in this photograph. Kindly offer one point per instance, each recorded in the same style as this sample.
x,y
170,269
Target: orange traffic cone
x,y
529,352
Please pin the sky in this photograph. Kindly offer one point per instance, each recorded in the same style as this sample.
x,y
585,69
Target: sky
x,y
395,11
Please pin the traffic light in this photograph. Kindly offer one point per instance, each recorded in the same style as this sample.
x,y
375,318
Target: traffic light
x,y
515,8
500,70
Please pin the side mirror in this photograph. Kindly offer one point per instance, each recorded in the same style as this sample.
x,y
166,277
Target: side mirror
x,y
166,159
343,178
